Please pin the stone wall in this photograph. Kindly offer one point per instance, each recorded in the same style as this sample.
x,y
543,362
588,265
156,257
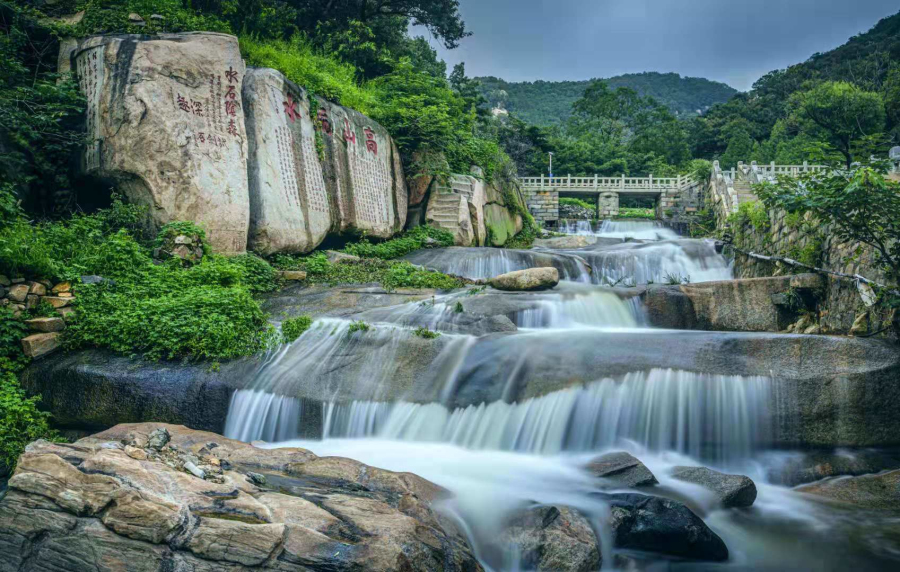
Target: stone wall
x,y
21,296
177,123
842,308
543,205
681,205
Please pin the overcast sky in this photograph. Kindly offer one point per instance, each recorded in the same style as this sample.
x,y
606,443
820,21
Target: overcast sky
x,y
734,41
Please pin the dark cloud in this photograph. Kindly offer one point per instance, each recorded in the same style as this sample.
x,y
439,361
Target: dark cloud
x,y
734,41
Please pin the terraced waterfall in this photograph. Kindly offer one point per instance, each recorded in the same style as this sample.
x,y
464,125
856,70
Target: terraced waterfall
x,y
509,405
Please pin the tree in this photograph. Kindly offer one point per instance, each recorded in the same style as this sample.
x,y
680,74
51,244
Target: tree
x,y
839,114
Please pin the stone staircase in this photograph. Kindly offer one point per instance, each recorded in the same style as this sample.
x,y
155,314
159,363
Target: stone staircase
x,y
445,211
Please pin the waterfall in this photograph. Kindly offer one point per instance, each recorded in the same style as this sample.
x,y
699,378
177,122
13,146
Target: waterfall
x,y
659,262
485,263
640,230
718,417
594,308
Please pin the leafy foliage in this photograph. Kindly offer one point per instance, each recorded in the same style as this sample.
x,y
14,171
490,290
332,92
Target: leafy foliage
x,y
627,212
21,422
424,332
293,328
412,240
390,274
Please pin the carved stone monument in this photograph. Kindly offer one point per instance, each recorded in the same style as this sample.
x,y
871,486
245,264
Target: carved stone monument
x,y
165,123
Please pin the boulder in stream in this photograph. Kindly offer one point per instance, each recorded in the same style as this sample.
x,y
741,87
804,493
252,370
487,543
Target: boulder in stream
x,y
549,538
880,491
527,280
661,525
566,242
622,469
91,505
733,491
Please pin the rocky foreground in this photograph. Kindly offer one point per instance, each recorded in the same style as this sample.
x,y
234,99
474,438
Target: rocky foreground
x,y
150,497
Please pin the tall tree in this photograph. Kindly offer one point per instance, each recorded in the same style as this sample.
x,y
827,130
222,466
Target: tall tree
x,y
839,114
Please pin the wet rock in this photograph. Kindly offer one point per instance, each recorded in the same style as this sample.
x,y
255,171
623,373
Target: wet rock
x,y
292,275
158,439
622,469
172,137
733,491
485,263
564,242
798,469
878,492
527,280
664,526
550,538
256,478
18,292
336,257
95,507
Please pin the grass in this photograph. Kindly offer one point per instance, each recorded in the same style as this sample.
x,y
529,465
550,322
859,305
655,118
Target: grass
x,y
391,274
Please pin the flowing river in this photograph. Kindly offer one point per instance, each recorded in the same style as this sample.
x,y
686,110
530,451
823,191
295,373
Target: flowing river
x,y
493,416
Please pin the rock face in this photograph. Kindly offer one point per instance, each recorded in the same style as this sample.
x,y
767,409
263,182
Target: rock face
x,y
733,491
527,280
111,502
566,242
316,168
622,469
165,121
880,491
550,538
656,524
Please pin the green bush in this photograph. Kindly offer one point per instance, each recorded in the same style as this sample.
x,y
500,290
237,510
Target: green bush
x,y
359,326
410,241
293,328
753,212
391,274
257,274
627,212
20,421
424,332
11,331
573,202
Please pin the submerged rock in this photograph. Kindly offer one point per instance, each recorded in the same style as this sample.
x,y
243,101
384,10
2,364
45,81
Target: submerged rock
x,y
664,526
732,490
879,492
89,505
622,469
550,538
527,280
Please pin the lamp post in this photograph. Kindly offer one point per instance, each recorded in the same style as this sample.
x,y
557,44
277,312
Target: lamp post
x,y
551,164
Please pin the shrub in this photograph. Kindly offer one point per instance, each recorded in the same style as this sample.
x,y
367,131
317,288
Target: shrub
x,y
627,212
293,328
257,274
753,212
391,274
411,240
359,326
11,331
572,202
424,332
20,421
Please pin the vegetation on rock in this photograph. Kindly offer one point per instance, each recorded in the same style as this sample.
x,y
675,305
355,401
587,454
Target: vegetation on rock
x,y
293,328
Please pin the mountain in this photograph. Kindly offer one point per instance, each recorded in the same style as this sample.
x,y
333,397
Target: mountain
x,y
550,102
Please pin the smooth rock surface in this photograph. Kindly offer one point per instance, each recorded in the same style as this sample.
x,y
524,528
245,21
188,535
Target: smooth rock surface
x,y
664,526
566,242
39,345
622,469
551,538
878,492
91,506
527,280
733,491
165,121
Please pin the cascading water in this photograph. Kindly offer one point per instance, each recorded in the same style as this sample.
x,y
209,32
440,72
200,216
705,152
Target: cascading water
x,y
639,230
658,262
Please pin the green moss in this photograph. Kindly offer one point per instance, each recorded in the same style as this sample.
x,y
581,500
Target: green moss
x,y
293,328
391,274
424,332
410,241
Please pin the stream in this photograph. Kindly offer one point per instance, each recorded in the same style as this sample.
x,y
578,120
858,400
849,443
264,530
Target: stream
x,y
481,418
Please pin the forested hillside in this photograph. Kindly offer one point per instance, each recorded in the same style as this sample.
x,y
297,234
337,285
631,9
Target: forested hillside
x,y
550,102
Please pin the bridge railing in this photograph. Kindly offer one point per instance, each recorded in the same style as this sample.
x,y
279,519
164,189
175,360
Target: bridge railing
x,y
606,183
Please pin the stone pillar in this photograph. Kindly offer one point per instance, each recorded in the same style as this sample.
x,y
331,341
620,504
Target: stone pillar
x,y
607,204
543,205
165,122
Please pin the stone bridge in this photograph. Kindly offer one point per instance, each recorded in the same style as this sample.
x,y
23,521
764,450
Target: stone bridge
x,y
542,193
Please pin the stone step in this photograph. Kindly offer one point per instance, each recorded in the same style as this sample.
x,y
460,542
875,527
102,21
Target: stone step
x,y
447,219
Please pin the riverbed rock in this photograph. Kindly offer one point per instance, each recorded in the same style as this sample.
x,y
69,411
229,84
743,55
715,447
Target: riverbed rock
x,y
530,279
733,491
811,466
664,526
486,263
566,242
622,469
165,122
550,538
877,492
89,505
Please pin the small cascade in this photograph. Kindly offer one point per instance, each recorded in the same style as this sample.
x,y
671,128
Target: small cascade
x,y
718,417
485,263
634,229
659,262
593,307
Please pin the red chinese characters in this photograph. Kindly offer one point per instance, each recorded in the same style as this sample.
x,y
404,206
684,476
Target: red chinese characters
x,y
231,75
324,121
371,144
349,135
183,104
232,127
290,107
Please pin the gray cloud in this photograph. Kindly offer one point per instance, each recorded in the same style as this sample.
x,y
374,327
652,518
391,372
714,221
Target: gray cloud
x,y
733,41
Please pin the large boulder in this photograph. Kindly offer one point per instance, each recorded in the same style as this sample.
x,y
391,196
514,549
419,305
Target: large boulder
x,y
527,280
113,502
665,526
165,122
806,467
733,491
550,538
622,469
290,208
316,168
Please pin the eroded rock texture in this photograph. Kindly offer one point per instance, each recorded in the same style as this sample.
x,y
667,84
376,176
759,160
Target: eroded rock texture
x,y
117,501
165,122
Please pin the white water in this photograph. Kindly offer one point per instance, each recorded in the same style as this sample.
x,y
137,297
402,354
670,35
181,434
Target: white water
x,y
640,230
660,263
